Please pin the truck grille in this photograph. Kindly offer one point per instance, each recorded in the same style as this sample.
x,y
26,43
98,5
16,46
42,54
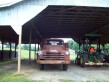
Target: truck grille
x,y
53,57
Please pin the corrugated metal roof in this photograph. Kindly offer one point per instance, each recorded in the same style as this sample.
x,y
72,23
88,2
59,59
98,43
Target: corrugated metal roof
x,y
7,34
71,22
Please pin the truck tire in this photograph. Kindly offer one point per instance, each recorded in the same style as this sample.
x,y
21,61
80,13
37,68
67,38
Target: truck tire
x,y
77,61
41,66
65,67
83,60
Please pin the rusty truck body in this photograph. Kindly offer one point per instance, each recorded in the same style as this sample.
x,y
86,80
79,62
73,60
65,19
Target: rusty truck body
x,y
53,51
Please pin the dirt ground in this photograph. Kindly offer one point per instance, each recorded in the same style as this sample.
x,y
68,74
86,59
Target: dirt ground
x,y
54,72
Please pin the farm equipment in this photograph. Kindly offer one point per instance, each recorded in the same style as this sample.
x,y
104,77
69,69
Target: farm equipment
x,y
91,54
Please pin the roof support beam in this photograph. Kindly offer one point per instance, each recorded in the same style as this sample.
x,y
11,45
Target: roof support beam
x,y
101,14
105,26
35,29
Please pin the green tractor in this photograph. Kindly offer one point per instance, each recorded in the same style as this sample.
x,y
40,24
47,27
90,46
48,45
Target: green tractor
x,y
90,52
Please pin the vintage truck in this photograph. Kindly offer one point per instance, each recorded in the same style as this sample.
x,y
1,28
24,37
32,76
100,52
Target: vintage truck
x,y
53,51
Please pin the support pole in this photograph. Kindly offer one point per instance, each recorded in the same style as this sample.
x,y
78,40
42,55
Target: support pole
x,y
79,46
30,46
38,46
38,43
15,50
103,46
10,51
19,51
2,51
35,52
2,46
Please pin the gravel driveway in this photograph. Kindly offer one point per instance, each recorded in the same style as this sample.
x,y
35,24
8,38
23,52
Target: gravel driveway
x,y
74,72
54,73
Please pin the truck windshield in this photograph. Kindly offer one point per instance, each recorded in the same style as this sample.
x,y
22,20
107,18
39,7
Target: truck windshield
x,y
54,42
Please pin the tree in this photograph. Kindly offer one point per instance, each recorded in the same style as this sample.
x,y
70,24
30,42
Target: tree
x,y
13,45
7,45
25,46
73,45
70,43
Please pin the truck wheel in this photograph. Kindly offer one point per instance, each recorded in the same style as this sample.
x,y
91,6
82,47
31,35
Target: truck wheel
x,y
65,67
83,60
77,61
41,66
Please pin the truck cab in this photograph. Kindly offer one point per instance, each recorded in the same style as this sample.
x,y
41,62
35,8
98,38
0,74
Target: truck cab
x,y
53,51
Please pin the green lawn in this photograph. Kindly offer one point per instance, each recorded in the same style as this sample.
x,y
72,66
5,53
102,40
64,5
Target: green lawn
x,y
83,81
6,62
17,78
24,53
7,76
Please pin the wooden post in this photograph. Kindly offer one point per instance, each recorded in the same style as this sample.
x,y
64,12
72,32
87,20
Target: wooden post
x,y
2,51
19,51
15,50
38,43
35,52
30,46
10,51
79,44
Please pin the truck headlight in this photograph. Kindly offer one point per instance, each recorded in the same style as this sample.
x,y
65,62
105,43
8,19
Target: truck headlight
x,y
40,52
67,53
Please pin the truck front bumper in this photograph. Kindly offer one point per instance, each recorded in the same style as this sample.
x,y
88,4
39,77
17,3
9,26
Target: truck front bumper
x,y
53,62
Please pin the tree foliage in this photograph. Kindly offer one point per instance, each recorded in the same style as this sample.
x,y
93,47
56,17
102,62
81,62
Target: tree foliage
x,y
70,43
8,45
73,45
26,47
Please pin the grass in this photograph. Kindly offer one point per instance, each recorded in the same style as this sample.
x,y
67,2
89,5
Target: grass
x,y
6,76
20,78
6,62
24,53
4,73
82,81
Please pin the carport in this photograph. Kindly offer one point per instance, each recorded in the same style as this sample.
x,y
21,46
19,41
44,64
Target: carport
x,y
70,22
59,19
7,34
